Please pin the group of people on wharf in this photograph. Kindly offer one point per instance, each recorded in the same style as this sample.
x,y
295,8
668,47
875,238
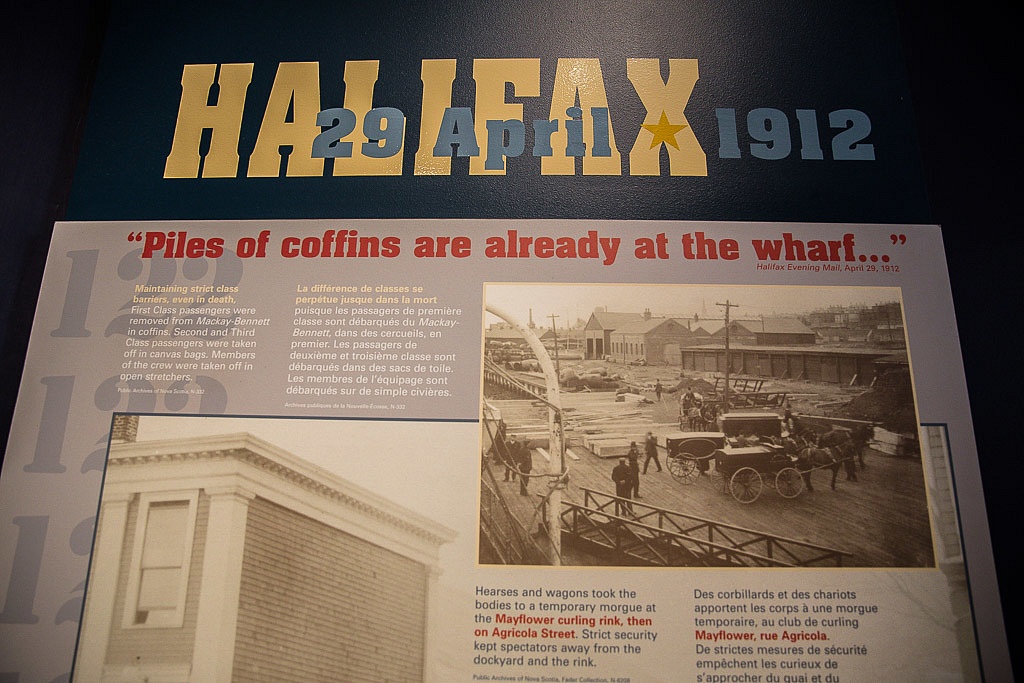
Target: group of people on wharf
x,y
626,474
515,456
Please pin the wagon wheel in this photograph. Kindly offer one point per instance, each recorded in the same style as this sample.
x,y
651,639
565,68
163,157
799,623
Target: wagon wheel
x,y
745,485
683,468
789,483
719,481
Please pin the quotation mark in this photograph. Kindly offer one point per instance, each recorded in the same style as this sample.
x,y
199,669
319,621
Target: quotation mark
x,y
898,239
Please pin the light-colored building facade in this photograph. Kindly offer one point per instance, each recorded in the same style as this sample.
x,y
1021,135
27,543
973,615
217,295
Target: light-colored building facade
x,y
228,559
598,330
653,340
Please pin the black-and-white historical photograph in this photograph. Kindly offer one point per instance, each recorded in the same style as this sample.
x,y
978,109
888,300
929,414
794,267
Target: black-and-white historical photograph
x,y
700,426
263,549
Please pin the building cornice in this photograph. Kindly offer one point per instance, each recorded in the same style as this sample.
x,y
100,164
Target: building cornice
x,y
204,456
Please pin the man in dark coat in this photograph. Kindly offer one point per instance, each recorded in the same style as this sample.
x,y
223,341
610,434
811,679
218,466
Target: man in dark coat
x,y
634,471
623,486
860,437
651,451
510,456
524,461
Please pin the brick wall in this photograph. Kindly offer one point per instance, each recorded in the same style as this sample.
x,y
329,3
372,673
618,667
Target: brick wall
x,y
318,604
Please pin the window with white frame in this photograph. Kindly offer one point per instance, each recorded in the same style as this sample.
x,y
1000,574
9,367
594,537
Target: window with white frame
x,y
161,555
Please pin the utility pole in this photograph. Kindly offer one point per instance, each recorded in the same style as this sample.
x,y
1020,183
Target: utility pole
x,y
554,330
728,362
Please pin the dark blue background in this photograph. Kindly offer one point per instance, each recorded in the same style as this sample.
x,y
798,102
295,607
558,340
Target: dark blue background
x,y
963,70
789,56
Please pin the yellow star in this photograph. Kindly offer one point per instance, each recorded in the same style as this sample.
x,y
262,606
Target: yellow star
x,y
663,132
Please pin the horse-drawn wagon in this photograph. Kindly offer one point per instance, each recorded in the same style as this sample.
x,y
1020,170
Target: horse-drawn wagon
x,y
750,451
689,453
744,470
741,470
702,410
755,449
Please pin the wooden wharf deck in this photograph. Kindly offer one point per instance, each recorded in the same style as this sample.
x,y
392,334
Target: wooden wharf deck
x,y
881,519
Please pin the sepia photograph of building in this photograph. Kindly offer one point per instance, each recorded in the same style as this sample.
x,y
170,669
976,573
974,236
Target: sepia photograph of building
x,y
224,557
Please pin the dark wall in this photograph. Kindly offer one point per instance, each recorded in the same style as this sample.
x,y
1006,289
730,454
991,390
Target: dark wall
x,y
963,70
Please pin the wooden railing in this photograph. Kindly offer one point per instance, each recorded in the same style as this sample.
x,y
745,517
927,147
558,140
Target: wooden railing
x,y
525,387
500,531
634,533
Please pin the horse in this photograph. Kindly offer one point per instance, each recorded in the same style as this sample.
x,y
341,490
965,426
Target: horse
x,y
844,449
811,456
